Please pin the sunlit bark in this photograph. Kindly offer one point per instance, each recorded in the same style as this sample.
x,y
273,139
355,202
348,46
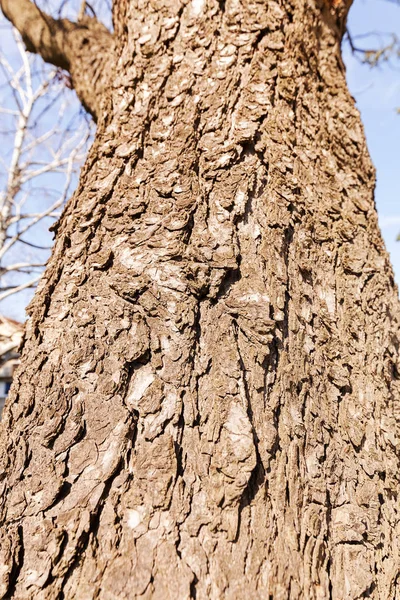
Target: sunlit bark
x,y
207,401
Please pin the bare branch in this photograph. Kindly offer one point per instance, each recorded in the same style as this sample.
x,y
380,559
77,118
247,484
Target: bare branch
x,y
19,288
19,266
38,150
387,47
80,48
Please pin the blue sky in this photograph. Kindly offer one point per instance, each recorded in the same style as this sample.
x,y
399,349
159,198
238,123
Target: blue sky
x,y
377,93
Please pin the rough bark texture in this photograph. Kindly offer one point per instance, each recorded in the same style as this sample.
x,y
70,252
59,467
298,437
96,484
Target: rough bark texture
x,y
208,402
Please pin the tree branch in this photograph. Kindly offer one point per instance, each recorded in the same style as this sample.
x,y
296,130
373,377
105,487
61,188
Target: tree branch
x,y
19,288
81,48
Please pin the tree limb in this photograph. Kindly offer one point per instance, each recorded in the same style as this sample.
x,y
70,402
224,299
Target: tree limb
x,y
81,48
19,288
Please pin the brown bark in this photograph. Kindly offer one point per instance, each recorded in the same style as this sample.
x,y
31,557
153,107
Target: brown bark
x,y
208,401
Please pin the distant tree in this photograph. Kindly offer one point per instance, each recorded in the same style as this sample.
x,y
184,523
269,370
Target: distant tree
x,y
208,400
44,144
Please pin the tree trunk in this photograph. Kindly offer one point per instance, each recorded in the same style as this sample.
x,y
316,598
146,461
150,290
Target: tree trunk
x,y
208,401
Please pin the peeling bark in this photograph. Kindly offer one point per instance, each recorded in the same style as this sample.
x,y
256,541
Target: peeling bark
x,y
208,401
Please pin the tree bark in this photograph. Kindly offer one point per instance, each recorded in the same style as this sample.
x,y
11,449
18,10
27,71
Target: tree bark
x,y
208,401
